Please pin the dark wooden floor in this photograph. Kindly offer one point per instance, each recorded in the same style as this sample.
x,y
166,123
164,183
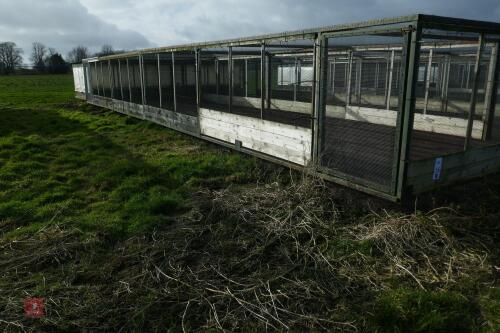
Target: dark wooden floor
x,y
355,148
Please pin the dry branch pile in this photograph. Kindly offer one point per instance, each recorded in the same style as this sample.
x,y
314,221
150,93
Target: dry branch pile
x,y
265,257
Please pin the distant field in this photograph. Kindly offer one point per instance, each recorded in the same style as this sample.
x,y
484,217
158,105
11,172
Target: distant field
x,y
91,167
123,225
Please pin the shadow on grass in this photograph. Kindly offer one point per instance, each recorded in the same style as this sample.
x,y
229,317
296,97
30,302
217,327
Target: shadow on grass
x,y
56,169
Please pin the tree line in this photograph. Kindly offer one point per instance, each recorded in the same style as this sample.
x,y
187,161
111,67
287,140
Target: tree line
x,y
45,59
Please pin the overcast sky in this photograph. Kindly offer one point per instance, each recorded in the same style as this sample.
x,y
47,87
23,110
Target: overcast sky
x,y
133,24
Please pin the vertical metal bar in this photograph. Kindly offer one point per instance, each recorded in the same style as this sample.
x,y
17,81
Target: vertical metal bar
x,y
198,78
319,99
389,82
159,80
262,78
490,99
230,77
467,80
120,77
473,99
295,79
387,69
111,85
217,77
269,73
377,73
428,81
129,84
334,65
349,80
316,67
143,83
246,77
446,84
359,73
410,66
101,80
173,82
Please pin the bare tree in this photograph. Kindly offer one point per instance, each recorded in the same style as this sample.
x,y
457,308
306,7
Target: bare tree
x,y
106,50
38,53
77,54
10,57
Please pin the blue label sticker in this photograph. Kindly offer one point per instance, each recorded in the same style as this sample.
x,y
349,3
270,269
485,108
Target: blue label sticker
x,y
438,166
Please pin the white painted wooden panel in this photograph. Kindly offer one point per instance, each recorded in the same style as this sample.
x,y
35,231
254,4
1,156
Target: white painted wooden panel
x,y
287,142
79,79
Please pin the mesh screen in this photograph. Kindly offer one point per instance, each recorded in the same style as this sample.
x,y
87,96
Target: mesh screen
x,y
135,80
151,80
106,76
124,77
94,80
185,82
166,78
115,80
363,88
444,90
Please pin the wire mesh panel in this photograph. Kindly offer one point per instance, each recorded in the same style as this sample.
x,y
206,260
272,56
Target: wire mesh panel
x,y
115,80
135,80
208,75
492,102
124,79
94,79
106,78
185,82
246,66
362,107
214,76
450,93
151,80
166,79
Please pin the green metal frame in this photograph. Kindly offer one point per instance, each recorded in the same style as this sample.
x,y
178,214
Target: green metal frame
x,y
409,27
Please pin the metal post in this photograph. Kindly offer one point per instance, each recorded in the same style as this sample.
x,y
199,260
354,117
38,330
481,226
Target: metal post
x,y
159,80
490,99
262,78
333,77
446,84
428,81
230,77
268,81
101,80
359,73
389,81
316,67
198,78
217,77
129,85
111,85
467,81
295,79
407,109
319,99
473,99
246,77
349,80
120,77
143,83
173,81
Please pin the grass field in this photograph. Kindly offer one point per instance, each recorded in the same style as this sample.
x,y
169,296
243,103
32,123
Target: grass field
x,y
123,225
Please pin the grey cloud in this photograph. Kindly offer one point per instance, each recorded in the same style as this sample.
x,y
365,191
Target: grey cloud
x,y
177,21
124,23
61,24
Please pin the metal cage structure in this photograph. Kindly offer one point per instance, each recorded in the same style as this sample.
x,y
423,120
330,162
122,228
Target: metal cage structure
x,y
392,107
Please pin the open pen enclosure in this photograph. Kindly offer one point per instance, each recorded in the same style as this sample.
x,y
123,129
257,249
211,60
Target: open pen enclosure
x,y
391,107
